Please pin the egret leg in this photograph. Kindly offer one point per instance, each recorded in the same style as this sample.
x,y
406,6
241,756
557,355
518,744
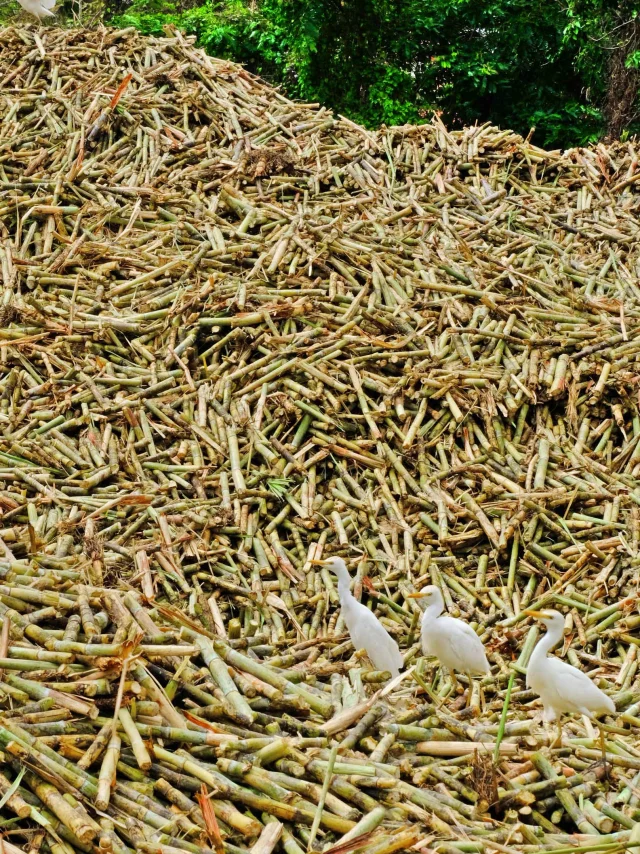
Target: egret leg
x,y
603,748
558,740
469,691
454,682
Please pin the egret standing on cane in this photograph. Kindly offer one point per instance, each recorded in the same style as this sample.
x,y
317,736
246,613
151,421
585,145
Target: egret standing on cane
x,y
451,641
366,631
563,688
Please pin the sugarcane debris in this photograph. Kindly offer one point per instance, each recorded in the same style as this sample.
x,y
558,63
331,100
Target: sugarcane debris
x,y
240,333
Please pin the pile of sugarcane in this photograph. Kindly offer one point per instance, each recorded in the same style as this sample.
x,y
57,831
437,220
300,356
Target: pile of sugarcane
x,y
240,334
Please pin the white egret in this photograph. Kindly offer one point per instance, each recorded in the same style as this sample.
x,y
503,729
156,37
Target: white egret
x,y
366,631
453,642
38,8
563,688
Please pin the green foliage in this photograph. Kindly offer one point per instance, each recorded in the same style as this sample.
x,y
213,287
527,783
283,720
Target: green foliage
x,y
604,38
279,486
575,124
516,63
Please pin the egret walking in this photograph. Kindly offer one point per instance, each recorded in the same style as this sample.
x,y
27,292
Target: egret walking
x,y
451,641
563,688
366,631
38,8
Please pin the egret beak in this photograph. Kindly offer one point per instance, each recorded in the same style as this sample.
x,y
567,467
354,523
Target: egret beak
x,y
539,615
415,595
319,562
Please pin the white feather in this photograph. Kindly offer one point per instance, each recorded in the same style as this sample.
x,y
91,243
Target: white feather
x,y
453,642
365,629
38,8
562,688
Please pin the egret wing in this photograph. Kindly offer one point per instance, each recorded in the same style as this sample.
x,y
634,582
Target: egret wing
x,y
467,647
35,7
572,689
386,655
367,632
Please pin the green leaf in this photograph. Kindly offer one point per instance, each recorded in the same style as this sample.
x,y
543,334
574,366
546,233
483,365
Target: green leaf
x,y
13,788
278,485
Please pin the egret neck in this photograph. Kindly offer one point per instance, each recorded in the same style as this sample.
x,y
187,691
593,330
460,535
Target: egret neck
x,y
434,609
344,581
552,638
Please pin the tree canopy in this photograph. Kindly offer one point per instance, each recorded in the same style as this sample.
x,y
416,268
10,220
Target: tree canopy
x,y
569,68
